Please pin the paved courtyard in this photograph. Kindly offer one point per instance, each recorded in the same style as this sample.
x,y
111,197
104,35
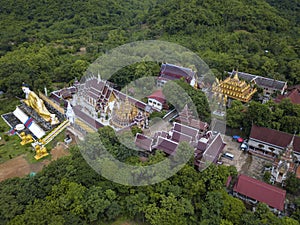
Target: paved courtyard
x,y
245,163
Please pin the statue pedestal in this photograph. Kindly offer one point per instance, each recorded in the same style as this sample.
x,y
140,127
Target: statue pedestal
x,y
40,151
37,157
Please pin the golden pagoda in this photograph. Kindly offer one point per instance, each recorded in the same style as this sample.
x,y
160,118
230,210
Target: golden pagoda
x,y
235,88
123,113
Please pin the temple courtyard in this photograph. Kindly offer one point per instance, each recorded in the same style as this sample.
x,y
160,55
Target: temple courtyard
x,y
245,163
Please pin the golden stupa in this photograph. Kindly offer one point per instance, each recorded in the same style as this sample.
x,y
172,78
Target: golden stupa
x,y
123,113
235,88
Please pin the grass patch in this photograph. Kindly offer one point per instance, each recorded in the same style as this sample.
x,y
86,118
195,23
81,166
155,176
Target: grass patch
x,y
11,148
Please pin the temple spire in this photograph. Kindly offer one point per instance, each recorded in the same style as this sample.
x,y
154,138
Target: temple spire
x,y
291,143
99,77
236,75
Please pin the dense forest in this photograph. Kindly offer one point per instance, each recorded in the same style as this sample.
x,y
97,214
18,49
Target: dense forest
x,y
52,42
284,116
68,191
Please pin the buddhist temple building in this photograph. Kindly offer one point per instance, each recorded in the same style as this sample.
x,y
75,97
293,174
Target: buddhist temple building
x,y
292,93
173,72
97,103
157,100
268,85
186,117
123,114
270,143
207,147
254,191
284,164
234,88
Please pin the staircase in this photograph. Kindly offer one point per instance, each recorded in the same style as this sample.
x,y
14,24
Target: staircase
x,y
84,126
55,132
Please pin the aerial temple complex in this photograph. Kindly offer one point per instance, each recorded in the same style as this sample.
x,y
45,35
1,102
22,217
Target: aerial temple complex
x,y
96,103
234,88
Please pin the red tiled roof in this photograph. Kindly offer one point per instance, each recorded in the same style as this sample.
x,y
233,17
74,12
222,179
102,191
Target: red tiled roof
x,y
260,191
298,172
176,71
158,95
179,137
185,130
293,95
229,178
143,142
199,124
214,149
166,145
274,137
182,119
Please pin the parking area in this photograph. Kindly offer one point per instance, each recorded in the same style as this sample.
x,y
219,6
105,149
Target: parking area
x,y
245,163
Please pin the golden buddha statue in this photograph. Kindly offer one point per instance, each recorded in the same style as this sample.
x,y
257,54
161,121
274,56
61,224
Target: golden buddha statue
x,y
26,139
33,101
40,151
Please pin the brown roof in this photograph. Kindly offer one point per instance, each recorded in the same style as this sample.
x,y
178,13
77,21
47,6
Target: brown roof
x,y
166,145
293,95
298,172
159,96
182,119
143,142
173,71
199,124
192,132
261,81
214,149
274,137
260,191
179,137
86,118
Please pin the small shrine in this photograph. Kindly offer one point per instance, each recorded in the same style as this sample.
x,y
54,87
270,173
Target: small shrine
x,y
284,165
234,88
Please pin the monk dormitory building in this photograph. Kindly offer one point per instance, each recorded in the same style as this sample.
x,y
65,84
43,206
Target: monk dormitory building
x,y
207,146
254,191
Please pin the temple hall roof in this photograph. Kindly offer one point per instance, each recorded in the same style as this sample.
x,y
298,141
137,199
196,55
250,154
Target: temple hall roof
x,y
260,191
274,137
293,95
159,96
261,81
143,142
176,71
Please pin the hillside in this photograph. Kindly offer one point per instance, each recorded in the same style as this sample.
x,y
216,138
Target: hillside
x,y
259,37
52,42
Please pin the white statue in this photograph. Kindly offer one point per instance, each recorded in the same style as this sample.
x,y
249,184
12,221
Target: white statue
x,y
70,113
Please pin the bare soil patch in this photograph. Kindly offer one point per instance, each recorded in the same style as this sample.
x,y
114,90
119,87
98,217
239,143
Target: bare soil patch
x,y
20,167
